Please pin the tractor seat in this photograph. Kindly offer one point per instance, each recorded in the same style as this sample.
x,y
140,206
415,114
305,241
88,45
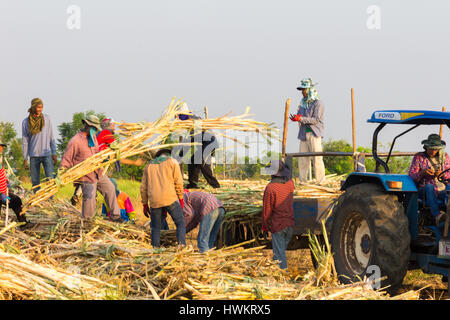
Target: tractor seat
x,y
442,204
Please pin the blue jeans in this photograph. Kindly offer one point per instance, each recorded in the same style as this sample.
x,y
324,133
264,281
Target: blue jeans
x,y
164,224
431,200
209,229
35,169
280,241
176,213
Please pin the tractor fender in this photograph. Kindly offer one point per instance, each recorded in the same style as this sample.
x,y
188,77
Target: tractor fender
x,y
381,179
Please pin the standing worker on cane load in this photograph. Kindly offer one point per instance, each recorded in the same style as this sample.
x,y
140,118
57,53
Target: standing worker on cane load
x,y
311,126
38,143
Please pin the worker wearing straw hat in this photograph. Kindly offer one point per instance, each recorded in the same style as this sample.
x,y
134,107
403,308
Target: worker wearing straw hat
x,y
425,169
9,198
38,143
278,209
82,146
311,126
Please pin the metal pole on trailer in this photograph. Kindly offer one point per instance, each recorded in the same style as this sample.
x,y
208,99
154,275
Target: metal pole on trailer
x,y
7,207
285,127
355,161
441,128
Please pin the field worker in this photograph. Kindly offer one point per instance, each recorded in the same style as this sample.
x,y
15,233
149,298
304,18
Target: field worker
x,y
82,146
424,170
7,197
127,212
309,116
162,190
200,160
38,143
105,139
106,136
205,209
185,113
278,209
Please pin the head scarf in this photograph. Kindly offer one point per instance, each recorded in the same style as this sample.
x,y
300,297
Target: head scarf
x,y
35,123
311,91
107,124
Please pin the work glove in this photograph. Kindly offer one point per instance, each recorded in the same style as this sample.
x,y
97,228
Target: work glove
x,y
146,211
4,198
181,203
295,117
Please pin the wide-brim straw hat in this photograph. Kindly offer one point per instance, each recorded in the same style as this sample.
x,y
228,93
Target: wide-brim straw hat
x,y
184,109
93,121
306,84
433,142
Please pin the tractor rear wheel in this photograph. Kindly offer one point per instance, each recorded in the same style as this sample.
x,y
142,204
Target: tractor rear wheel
x,y
370,229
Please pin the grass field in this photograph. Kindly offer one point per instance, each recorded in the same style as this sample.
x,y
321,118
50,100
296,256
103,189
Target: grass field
x,y
130,187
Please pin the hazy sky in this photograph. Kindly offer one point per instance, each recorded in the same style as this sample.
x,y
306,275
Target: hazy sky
x,y
129,58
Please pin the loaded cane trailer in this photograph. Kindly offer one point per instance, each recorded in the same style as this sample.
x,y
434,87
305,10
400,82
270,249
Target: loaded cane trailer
x,y
378,220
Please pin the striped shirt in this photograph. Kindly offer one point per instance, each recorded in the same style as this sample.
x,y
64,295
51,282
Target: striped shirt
x,y
312,119
3,181
198,204
278,206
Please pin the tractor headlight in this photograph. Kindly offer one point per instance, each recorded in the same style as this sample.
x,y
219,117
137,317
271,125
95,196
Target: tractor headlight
x,y
394,184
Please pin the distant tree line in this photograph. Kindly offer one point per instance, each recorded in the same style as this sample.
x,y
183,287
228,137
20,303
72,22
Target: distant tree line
x,y
247,168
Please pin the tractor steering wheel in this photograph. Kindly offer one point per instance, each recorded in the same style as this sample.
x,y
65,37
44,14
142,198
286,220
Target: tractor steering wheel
x,y
441,176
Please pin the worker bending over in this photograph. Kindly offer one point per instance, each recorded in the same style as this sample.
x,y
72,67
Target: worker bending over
x,y
205,209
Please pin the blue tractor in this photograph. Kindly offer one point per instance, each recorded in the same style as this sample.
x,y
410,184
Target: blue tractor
x,y
379,219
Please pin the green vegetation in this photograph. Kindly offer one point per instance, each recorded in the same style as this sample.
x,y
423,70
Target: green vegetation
x,y
246,168
67,130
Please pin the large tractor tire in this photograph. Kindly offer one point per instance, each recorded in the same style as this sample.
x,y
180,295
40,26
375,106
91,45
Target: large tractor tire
x,y
370,228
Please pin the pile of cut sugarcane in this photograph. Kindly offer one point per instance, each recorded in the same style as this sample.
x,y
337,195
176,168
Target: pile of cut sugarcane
x,y
104,260
242,201
141,138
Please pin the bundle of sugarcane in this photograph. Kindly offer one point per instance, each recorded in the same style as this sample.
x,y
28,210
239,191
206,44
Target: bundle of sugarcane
x,y
140,139
316,191
237,123
22,278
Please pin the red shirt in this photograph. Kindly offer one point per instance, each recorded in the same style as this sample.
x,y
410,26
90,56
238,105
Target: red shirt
x,y
3,181
278,206
104,139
